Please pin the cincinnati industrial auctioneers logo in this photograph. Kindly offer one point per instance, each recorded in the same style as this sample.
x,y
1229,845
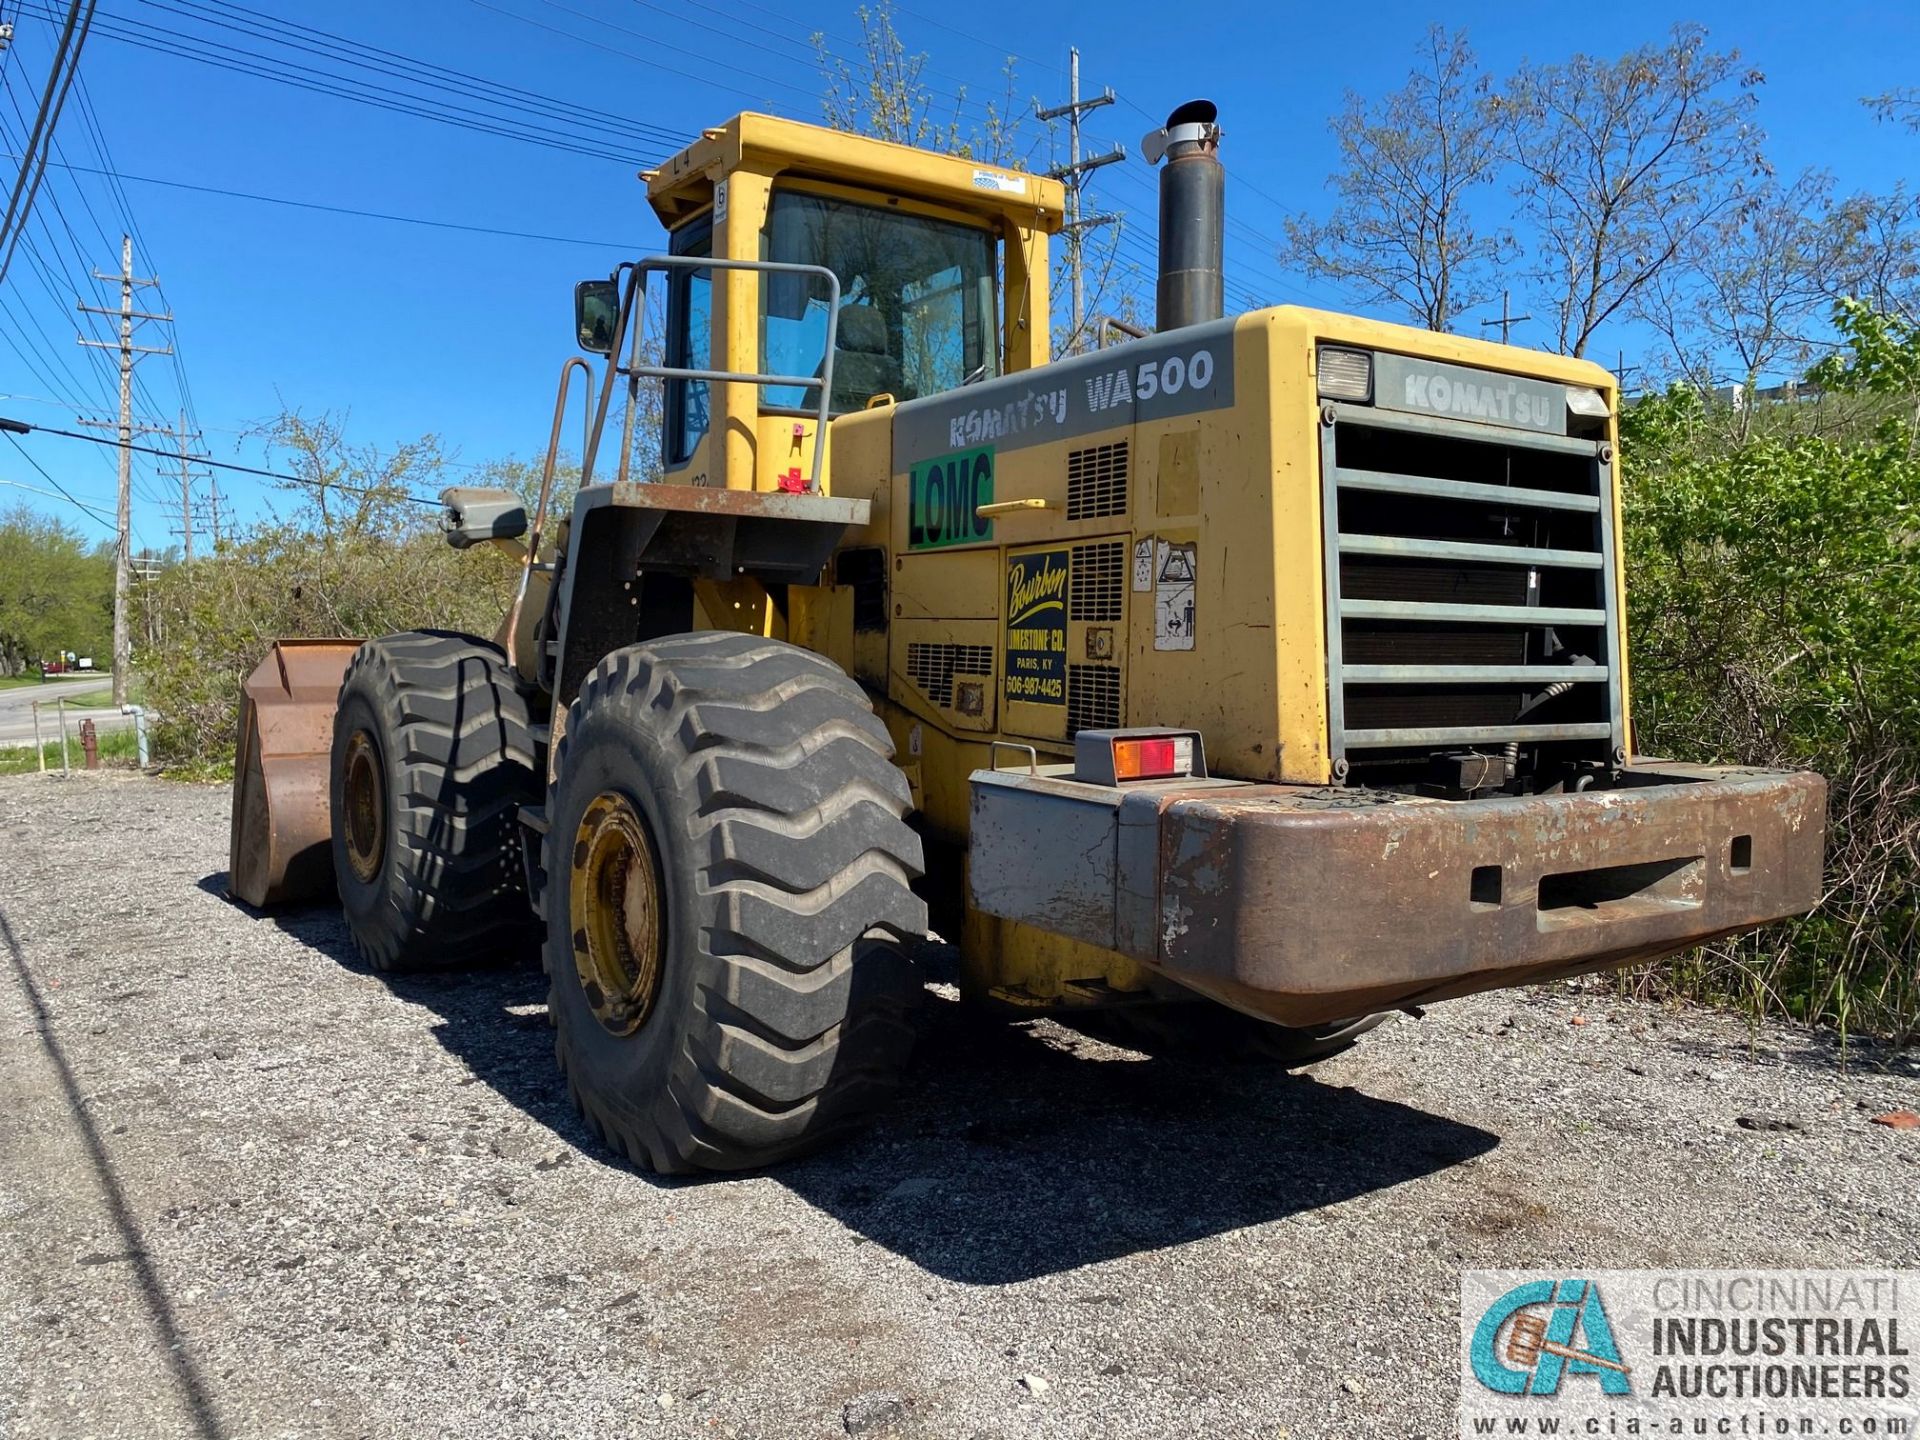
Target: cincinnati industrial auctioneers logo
x,y
1701,1352
1537,1334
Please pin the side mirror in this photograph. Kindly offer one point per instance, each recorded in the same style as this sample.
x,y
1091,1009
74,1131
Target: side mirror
x,y
475,515
596,315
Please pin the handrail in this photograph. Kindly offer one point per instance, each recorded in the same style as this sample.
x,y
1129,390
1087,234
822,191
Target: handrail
x,y
636,276
532,557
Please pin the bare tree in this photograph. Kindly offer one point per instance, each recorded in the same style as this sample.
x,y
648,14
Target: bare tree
x,y
1883,265
1401,231
883,92
1900,107
1622,163
1748,296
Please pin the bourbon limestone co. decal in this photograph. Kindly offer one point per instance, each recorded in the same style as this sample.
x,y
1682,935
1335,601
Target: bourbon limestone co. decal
x,y
1037,626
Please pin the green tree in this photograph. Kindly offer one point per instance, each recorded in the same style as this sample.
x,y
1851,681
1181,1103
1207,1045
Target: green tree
x,y
357,557
1775,615
56,594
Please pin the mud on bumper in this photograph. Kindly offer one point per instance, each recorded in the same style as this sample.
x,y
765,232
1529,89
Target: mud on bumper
x,y
1308,904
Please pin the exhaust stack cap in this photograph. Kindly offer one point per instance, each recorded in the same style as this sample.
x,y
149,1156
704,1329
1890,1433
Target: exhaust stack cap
x,y
1191,289
1191,124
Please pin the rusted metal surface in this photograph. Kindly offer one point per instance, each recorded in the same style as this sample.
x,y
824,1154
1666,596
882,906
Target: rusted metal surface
x,y
1309,904
744,504
1305,905
282,823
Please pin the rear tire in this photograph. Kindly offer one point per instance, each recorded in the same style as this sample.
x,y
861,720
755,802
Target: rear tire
x,y
432,759
727,858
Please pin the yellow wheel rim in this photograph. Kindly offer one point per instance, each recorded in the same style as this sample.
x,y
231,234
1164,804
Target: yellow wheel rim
x,y
365,799
618,917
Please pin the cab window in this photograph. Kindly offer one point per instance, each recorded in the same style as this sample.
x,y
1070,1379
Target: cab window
x,y
689,344
917,309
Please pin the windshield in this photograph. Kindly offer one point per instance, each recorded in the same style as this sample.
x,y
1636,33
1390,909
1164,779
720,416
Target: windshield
x,y
916,302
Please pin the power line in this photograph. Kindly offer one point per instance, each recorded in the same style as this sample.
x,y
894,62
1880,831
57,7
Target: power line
x,y
280,70
391,62
26,455
349,210
66,61
23,427
628,54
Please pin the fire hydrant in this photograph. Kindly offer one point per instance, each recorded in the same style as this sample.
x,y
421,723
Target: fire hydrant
x,y
90,744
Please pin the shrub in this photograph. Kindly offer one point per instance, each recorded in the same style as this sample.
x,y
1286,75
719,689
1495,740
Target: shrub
x,y
1774,617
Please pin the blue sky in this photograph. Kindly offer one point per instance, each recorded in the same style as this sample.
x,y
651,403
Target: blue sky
x,y
416,330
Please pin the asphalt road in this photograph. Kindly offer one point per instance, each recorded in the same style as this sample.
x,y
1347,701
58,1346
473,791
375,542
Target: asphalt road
x,y
16,712
249,1189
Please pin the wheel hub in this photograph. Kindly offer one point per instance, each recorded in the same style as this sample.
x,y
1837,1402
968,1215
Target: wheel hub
x,y
618,915
366,807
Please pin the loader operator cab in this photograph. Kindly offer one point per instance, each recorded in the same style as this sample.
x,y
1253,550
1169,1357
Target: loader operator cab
x,y
920,246
916,315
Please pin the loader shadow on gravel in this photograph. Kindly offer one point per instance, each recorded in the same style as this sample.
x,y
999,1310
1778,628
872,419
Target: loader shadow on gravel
x,y
1016,1150
155,1299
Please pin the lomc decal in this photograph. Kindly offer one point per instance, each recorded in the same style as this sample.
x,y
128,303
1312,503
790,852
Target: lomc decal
x,y
944,496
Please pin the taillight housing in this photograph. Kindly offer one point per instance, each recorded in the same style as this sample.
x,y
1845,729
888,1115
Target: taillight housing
x,y
1119,757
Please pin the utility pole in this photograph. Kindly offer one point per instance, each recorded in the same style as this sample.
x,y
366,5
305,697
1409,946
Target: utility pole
x,y
187,476
128,351
1621,370
1507,319
1074,174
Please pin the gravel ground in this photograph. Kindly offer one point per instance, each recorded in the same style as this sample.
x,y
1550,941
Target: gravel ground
x,y
249,1189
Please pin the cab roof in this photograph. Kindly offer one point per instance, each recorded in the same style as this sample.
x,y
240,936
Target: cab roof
x,y
684,184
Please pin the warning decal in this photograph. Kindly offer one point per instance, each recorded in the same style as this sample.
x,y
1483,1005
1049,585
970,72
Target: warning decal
x,y
1173,599
1037,626
1143,563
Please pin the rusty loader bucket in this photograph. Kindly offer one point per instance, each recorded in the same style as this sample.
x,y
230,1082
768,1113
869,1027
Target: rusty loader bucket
x,y
282,823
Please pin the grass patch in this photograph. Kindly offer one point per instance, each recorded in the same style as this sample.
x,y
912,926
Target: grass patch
x,y
118,748
100,699
22,682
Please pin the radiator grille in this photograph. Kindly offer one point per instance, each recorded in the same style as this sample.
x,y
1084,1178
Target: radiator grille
x,y
1093,698
1467,567
1097,587
1097,481
933,666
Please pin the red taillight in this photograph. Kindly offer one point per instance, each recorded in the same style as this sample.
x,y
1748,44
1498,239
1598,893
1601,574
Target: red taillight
x,y
1155,759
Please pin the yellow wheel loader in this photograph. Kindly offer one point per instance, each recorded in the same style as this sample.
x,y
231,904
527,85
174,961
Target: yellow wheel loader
x,y
1253,678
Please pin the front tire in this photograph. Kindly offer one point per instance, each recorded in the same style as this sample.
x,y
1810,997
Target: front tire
x,y
728,861
432,760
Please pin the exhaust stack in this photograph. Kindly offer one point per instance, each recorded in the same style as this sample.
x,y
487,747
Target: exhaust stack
x,y
1193,216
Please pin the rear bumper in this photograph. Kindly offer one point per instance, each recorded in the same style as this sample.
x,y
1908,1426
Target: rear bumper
x,y
1306,904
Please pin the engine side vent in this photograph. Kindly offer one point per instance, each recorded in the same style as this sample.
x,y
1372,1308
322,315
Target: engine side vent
x,y
1097,481
1098,586
932,667
1093,698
